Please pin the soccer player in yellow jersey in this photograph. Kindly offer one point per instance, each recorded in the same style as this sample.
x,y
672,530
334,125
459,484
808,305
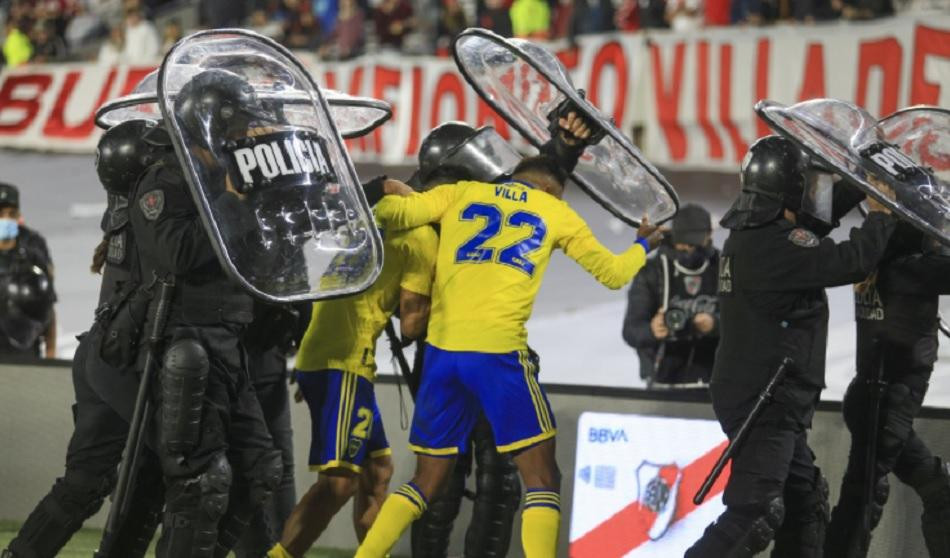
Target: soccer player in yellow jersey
x,y
495,244
335,371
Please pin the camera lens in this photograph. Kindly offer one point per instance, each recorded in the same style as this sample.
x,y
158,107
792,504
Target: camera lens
x,y
675,319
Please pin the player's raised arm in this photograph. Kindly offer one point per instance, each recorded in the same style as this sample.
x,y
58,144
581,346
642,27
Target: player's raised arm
x,y
612,270
405,212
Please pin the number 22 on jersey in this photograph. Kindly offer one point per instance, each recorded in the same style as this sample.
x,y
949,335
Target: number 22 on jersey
x,y
515,255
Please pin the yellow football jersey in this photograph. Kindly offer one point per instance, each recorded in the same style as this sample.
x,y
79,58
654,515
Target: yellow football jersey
x,y
342,333
495,244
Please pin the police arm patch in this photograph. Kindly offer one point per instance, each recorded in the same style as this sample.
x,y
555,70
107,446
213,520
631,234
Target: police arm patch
x,y
152,203
803,237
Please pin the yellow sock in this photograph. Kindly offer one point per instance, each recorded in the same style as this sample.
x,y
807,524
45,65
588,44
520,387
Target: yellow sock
x,y
399,510
278,552
539,523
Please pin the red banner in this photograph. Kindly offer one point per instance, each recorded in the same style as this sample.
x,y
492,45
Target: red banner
x,y
689,97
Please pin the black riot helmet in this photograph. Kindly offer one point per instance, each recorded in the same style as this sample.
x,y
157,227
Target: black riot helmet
x,y
28,291
217,105
777,175
125,151
455,151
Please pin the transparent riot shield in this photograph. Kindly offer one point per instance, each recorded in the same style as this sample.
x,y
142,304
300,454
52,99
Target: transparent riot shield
x,y
276,190
923,134
528,86
354,116
849,141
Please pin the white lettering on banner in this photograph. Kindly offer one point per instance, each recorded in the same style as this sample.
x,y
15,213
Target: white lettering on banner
x,y
692,95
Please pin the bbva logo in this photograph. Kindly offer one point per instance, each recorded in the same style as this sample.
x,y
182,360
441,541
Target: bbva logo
x,y
606,435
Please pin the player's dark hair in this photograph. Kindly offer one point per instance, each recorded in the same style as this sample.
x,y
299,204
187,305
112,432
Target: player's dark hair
x,y
542,163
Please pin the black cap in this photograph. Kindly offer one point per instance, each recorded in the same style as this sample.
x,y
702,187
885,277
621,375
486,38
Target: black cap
x,y
691,225
9,195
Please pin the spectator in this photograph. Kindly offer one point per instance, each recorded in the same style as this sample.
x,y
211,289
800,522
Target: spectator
x,y
16,47
47,47
651,14
684,15
673,310
452,21
110,51
261,23
718,12
215,14
754,12
171,33
863,9
26,277
83,28
346,40
142,42
394,21
302,31
530,19
327,14
493,15
563,20
593,16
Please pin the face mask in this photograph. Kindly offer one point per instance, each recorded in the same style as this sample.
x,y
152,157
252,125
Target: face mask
x,y
8,229
692,259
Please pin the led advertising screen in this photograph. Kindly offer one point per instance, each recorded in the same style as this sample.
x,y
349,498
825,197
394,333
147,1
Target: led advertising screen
x,y
634,482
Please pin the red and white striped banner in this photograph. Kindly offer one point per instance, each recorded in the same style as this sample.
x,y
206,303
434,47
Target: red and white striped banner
x,y
689,96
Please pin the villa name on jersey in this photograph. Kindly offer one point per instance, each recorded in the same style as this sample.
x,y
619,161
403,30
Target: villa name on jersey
x,y
502,191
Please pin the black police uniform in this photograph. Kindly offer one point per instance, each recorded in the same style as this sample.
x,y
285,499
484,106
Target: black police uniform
x,y
896,316
773,305
217,456
274,333
104,398
772,280
667,281
24,319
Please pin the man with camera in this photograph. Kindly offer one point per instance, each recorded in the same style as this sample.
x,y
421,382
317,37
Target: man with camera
x,y
672,311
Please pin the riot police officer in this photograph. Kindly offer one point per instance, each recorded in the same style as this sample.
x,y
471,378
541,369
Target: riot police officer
x,y
896,317
103,392
772,275
27,318
275,332
217,456
672,311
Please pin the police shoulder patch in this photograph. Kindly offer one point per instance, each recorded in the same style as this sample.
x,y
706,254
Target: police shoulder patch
x,y
803,237
152,203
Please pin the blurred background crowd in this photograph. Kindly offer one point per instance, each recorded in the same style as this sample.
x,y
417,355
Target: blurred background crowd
x,y
135,31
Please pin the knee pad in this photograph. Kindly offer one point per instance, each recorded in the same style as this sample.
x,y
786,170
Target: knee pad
x,y
184,376
192,511
74,498
430,534
802,533
898,409
265,477
740,533
497,498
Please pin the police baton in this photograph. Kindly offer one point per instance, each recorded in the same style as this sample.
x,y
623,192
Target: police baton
x,y
764,398
138,426
876,387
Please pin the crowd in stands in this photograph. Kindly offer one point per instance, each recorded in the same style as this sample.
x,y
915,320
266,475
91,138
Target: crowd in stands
x,y
132,31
